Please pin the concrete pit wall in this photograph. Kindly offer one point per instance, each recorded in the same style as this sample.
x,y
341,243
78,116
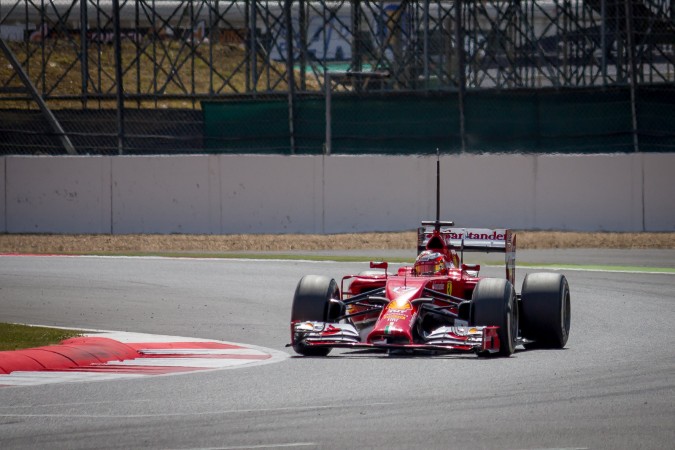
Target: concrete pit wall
x,y
224,194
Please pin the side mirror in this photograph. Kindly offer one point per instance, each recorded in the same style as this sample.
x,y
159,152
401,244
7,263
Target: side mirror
x,y
379,265
471,269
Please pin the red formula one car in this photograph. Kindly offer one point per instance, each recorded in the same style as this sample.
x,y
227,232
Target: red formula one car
x,y
439,304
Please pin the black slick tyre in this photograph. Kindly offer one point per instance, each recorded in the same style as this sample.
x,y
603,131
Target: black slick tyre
x,y
494,304
311,302
545,310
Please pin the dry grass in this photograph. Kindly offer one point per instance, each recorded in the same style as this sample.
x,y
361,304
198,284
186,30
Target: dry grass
x,y
158,244
162,67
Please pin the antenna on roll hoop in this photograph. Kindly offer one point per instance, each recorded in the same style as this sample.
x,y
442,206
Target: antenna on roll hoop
x,y
438,189
438,223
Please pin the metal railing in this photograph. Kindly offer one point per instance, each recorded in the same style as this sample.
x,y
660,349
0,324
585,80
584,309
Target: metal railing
x,y
112,56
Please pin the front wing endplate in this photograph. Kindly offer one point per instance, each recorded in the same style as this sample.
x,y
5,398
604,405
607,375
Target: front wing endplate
x,y
479,339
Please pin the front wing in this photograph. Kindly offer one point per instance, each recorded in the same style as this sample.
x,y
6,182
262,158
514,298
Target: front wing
x,y
479,339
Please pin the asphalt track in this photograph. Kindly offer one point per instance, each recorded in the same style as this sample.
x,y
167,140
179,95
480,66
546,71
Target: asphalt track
x,y
612,387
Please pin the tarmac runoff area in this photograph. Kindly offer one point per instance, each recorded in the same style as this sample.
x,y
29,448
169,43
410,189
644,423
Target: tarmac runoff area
x,y
108,355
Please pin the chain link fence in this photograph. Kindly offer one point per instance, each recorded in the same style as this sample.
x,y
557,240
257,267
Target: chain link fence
x,y
308,77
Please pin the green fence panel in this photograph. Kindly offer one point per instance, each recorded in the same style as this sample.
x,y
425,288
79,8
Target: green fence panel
x,y
584,121
250,126
377,124
310,125
395,125
548,121
656,118
500,121
541,121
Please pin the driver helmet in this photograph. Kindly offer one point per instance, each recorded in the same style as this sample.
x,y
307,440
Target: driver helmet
x,y
430,263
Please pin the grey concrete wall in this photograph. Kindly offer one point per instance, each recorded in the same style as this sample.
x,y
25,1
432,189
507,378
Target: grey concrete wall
x,y
58,195
270,194
223,194
591,192
659,192
154,194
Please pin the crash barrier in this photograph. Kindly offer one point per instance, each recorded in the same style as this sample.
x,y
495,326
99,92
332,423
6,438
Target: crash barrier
x,y
516,121
224,194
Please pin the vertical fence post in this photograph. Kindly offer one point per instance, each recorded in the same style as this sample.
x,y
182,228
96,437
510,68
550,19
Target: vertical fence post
x,y
461,78
252,85
84,55
302,32
425,45
356,63
329,119
119,75
290,71
603,40
632,67
247,41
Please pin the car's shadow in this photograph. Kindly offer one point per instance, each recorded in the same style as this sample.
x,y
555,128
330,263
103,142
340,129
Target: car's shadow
x,y
403,354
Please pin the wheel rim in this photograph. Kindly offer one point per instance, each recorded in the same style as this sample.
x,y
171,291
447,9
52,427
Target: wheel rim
x,y
565,313
513,318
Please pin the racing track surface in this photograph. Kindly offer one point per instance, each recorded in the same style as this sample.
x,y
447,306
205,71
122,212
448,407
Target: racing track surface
x,y
612,387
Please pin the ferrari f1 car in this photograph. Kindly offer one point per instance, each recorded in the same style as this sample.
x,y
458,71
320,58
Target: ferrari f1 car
x,y
439,304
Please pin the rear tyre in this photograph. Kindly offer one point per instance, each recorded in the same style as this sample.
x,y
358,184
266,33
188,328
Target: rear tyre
x,y
494,303
311,302
545,310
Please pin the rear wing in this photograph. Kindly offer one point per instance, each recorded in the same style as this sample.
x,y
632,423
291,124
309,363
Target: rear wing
x,y
486,240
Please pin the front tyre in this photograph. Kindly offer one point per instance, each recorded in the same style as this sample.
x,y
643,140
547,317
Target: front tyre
x,y
546,307
311,302
494,304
